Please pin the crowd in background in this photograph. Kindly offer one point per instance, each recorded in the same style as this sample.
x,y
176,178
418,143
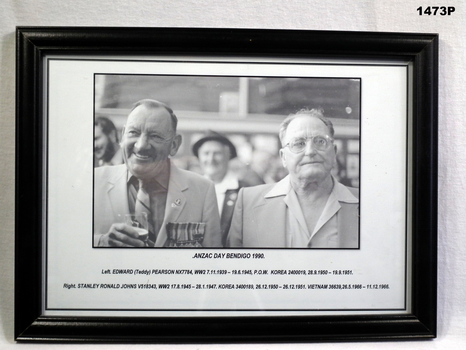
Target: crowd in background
x,y
257,158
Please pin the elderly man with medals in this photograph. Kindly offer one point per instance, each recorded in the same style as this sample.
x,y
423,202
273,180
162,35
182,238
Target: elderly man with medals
x,y
148,201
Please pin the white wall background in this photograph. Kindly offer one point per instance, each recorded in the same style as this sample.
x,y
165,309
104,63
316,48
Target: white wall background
x,y
355,15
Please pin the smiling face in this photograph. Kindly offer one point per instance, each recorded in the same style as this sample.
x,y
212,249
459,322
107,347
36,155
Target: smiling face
x,y
310,165
213,159
148,140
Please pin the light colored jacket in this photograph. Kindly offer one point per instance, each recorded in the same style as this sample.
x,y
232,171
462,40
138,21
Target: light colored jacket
x,y
190,198
259,219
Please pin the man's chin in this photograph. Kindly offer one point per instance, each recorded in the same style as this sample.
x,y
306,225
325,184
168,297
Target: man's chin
x,y
211,171
312,174
143,170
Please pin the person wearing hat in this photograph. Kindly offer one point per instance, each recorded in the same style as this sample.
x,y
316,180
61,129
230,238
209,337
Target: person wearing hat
x,y
214,152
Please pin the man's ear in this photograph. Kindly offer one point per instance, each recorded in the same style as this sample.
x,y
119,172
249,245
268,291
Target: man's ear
x,y
282,157
176,143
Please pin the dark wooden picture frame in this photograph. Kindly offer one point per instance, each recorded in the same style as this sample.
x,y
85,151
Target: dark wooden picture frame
x,y
33,43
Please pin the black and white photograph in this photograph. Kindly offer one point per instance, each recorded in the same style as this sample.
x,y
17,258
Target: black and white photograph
x,y
223,161
256,165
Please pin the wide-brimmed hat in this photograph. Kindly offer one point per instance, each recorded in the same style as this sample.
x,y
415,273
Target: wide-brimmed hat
x,y
214,136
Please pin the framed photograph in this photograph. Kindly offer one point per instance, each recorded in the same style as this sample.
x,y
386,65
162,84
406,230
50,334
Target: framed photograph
x,y
180,185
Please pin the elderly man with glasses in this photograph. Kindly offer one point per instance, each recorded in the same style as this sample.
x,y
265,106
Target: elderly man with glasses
x,y
309,208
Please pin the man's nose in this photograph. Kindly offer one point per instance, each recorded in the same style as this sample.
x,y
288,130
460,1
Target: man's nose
x,y
142,143
209,157
309,149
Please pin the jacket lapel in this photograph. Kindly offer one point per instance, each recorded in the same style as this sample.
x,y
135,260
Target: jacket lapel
x,y
271,216
270,222
118,194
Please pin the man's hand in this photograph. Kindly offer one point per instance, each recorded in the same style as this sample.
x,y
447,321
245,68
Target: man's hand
x,y
121,235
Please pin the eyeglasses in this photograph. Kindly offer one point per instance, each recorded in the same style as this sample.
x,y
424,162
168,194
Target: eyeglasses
x,y
319,142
